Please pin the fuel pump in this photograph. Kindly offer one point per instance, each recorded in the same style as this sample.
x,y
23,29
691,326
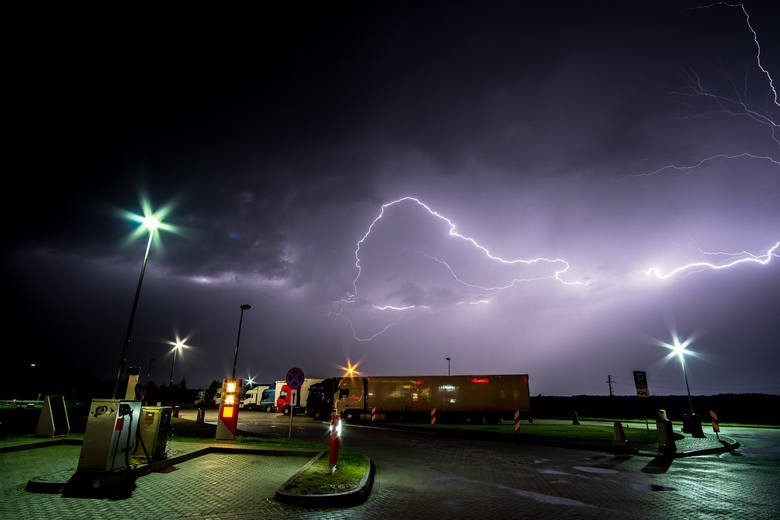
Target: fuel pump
x,y
109,441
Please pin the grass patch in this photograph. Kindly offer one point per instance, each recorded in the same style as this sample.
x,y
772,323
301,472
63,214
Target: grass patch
x,y
317,478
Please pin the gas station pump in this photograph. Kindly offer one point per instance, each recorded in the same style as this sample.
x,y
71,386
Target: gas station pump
x,y
227,419
109,441
154,427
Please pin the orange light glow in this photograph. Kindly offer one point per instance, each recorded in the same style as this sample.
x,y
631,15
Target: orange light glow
x,y
350,370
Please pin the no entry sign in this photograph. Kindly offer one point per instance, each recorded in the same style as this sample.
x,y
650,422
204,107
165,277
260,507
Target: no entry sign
x,y
294,377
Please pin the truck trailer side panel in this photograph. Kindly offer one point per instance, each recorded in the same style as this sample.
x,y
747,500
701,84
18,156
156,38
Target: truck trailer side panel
x,y
494,395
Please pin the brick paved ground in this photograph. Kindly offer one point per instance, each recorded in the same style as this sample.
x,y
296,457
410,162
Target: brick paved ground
x,y
424,477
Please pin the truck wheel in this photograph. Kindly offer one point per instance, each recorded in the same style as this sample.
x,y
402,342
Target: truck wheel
x,y
286,410
269,408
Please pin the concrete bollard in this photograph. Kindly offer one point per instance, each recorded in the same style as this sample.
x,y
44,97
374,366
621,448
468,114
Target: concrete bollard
x,y
666,436
620,435
575,419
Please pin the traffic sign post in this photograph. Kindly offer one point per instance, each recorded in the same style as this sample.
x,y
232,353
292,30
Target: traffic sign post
x,y
294,380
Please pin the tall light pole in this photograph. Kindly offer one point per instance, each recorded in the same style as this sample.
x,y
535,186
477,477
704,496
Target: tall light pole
x,y
244,307
151,223
178,345
448,366
679,349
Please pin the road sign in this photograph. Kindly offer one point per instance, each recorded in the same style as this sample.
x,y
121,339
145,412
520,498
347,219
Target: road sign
x,y
294,377
294,397
640,380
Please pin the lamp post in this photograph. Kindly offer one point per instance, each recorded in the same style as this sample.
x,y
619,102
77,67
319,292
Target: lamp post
x,y
151,223
448,366
244,307
178,345
679,349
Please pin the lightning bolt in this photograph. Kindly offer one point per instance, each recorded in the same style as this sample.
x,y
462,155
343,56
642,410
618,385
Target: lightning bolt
x,y
728,106
697,89
736,107
560,269
745,258
755,40
453,232
699,164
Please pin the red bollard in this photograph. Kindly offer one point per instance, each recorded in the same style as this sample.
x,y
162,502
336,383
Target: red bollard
x,y
335,440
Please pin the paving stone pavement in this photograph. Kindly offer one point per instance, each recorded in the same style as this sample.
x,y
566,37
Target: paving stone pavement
x,y
417,477
213,486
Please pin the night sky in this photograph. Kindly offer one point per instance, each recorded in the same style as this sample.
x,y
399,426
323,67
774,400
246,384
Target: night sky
x,y
397,183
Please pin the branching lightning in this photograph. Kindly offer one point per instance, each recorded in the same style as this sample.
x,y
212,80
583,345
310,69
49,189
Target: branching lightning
x,y
744,258
702,162
453,232
755,40
561,267
736,106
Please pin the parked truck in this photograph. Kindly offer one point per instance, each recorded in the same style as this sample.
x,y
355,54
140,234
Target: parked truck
x,y
262,397
284,396
462,398
321,400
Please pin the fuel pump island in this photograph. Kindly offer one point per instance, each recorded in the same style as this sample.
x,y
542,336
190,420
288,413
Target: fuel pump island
x,y
120,436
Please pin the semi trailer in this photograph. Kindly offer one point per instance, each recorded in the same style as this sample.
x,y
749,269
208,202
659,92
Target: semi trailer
x,y
461,398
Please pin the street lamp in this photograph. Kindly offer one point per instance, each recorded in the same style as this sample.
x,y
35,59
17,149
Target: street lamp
x,y
448,366
151,223
679,349
178,345
244,307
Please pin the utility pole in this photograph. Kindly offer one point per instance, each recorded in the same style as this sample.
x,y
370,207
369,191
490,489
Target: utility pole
x,y
610,381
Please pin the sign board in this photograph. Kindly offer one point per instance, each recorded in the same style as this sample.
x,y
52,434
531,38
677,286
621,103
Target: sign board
x,y
294,397
640,380
53,420
227,418
294,377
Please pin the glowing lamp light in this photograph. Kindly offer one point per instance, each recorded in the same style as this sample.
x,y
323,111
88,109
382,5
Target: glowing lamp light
x,y
480,380
231,386
152,222
350,370
679,349
227,411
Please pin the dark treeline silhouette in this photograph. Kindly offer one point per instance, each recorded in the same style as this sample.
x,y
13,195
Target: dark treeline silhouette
x,y
741,408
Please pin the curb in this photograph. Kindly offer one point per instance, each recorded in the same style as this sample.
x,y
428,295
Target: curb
x,y
353,497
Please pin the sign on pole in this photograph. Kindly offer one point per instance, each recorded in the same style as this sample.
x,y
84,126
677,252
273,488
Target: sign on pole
x,y
294,377
640,380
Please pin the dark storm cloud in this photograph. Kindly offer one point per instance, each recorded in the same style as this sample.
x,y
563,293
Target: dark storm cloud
x,y
277,137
